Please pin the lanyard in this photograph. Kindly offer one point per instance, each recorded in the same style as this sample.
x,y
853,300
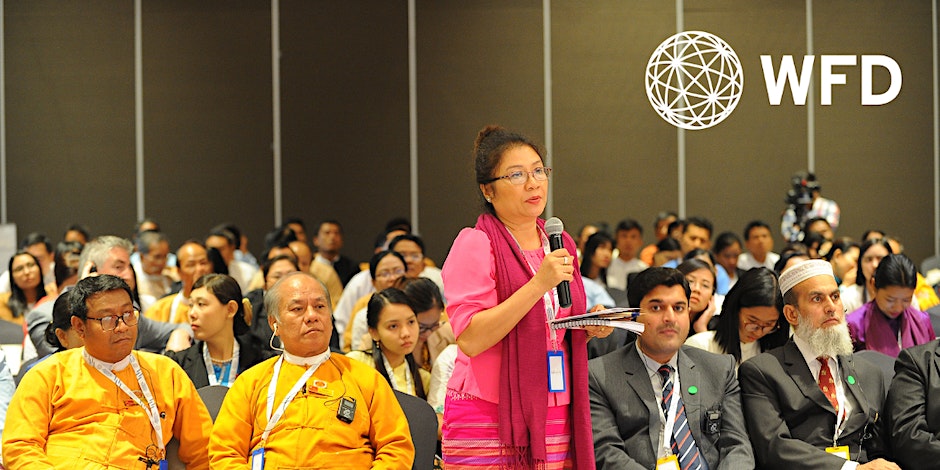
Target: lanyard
x,y
275,415
150,409
840,413
550,300
670,418
229,372
409,384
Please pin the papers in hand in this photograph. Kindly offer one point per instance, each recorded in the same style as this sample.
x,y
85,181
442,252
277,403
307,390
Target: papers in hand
x,y
617,317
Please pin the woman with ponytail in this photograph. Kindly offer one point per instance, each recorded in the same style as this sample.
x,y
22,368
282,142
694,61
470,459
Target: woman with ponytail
x,y
220,319
393,327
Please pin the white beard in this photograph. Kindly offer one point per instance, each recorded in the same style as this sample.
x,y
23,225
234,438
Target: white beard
x,y
830,342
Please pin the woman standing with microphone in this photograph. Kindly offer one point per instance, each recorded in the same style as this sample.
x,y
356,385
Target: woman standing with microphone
x,y
518,395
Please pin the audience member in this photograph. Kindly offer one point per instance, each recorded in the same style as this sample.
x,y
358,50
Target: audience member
x,y
663,219
700,427
329,242
40,247
629,237
843,256
153,248
727,250
751,319
105,404
222,239
394,330
297,225
76,233
595,259
435,332
193,263
667,250
821,226
760,245
366,425
911,411
888,323
27,288
870,255
501,408
797,421
411,248
701,278
224,347
386,268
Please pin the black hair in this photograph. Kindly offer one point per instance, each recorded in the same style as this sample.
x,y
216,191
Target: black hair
x,y
91,286
398,223
36,238
698,222
61,319
408,237
423,294
689,266
377,304
696,252
668,244
225,232
896,270
842,244
376,258
752,225
859,275
725,240
218,263
629,224
785,258
62,269
78,228
279,237
226,289
266,265
649,278
758,287
330,222
590,246
18,303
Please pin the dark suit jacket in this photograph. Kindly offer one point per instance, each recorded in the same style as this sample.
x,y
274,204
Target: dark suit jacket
x,y
625,415
250,352
790,420
913,406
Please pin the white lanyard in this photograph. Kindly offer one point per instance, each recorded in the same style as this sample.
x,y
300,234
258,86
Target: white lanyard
x,y
550,300
670,423
409,384
150,409
228,374
275,415
840,413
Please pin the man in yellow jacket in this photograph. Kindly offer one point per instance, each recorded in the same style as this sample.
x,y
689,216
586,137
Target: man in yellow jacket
x,y
105,405
308,407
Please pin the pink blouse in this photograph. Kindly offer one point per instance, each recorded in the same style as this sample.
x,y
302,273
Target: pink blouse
x,y
470,287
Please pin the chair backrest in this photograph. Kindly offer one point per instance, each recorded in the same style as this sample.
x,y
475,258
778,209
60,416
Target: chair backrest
x,y
882,361
11,342
172,455
422,421
930,263
212,396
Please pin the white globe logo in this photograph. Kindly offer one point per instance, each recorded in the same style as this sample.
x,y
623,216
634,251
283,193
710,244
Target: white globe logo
x,y
694,80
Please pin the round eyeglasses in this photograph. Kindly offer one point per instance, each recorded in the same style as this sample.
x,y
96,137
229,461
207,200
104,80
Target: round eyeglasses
x,y
110,322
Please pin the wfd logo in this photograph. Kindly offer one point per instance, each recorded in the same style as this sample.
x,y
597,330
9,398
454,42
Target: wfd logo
x,y
694,79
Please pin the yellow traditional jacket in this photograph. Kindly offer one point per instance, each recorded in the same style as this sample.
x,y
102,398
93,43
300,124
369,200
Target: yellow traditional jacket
x,y
309,434
68,415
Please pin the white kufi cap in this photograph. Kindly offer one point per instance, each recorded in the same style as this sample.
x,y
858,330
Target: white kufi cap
x,y
802,271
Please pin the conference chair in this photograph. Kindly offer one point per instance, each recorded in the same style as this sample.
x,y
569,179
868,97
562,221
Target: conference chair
x,y
212,396
11,342
422,421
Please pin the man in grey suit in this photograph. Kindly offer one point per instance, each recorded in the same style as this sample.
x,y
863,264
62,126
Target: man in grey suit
x,y
913,406
638,422
808,404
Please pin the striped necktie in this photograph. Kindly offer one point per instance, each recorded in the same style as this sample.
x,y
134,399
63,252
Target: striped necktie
x,y
683,444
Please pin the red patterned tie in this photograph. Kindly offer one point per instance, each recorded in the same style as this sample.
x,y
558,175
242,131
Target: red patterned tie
x,y
826,382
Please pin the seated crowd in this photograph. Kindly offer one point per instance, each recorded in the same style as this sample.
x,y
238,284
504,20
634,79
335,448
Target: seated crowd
x,y
120,338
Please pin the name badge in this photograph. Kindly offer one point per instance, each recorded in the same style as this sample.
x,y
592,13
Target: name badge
x,y
841,451
556,371
670,462
257,459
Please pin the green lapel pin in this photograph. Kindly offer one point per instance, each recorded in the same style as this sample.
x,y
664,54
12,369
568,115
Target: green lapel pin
x,y
851,380
693,390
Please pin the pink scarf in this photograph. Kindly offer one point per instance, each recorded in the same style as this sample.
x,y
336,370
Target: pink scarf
x,y
523,387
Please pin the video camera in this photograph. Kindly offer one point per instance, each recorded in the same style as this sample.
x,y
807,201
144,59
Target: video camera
x,y
800,194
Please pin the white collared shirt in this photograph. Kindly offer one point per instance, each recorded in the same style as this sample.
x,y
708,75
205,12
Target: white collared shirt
x,y
656,380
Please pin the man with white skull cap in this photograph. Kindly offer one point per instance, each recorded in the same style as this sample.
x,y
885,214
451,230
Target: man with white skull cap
x,y
808,403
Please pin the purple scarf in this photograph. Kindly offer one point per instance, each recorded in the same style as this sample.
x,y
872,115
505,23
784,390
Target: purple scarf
x,y
873,331
523,387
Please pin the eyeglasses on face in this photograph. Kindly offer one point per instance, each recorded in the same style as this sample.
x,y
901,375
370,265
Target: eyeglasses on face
x,y
756,328
427,328
110,322
518,177
390,274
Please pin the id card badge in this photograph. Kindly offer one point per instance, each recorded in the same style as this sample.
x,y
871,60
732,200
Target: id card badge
x,y
841,451
670,462
556,371
257,459
164,464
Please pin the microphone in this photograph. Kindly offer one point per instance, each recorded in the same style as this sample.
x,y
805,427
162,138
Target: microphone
x,y
554,227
